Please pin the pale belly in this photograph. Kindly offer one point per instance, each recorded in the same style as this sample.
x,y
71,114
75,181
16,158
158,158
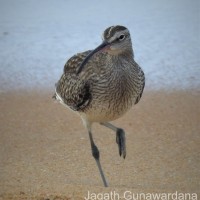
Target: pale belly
x,y
105,112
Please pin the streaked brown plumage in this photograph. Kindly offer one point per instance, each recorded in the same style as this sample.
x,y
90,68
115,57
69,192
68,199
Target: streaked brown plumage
x,y
101,85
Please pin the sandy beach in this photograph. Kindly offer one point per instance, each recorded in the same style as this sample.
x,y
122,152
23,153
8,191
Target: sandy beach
x,y
45,149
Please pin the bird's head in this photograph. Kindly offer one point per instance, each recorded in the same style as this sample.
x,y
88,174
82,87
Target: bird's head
x,y
116,41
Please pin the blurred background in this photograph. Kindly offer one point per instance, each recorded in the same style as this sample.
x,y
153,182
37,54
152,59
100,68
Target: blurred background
x,y
38,37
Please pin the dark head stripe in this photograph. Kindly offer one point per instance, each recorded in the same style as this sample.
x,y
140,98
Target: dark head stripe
x,y
110,31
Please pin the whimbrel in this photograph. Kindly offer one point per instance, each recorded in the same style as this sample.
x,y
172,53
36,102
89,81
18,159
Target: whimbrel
x,y
102,84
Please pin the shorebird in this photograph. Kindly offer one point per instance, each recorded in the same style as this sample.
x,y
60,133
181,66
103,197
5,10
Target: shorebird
x,y
103,84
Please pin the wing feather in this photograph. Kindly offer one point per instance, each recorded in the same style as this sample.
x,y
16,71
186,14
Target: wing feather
x,y
71,90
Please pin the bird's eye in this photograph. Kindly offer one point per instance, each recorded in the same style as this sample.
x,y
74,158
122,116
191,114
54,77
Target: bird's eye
x,y
121,37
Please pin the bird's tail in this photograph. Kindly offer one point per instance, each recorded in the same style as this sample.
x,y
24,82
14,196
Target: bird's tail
x,y
54,97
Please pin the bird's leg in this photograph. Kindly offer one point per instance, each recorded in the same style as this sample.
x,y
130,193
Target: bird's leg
x,y
96,155
120,137
95,150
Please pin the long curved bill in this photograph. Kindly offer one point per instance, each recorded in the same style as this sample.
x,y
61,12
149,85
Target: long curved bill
x,y
100,47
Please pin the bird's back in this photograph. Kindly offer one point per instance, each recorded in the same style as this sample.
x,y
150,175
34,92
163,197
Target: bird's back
x,y
74,62
71,90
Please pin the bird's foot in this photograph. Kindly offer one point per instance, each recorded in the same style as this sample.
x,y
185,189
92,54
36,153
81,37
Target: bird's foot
x,y
121,141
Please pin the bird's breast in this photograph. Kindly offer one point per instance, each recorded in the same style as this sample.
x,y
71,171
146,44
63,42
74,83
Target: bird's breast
x,y
111,98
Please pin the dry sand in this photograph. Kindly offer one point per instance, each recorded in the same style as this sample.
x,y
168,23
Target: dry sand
x,y
45,151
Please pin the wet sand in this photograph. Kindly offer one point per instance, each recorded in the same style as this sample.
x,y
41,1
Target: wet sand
x,y
45,150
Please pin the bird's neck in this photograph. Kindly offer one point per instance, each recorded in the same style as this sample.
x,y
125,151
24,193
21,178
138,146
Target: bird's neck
x,y
121,59
121,53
